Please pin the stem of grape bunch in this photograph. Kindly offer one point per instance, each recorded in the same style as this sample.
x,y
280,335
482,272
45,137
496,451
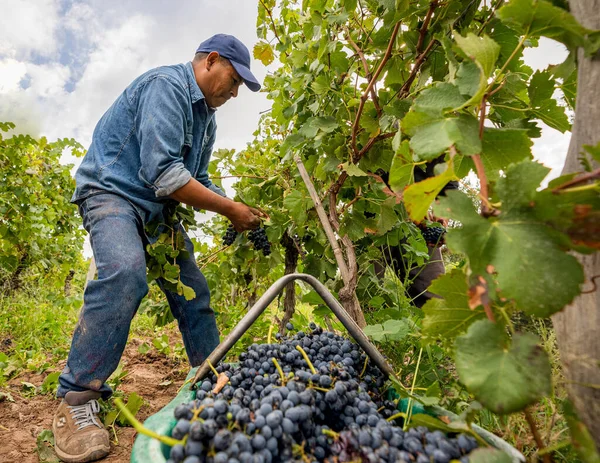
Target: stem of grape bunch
x,y
139,427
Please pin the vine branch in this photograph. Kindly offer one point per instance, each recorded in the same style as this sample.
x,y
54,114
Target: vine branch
x,y
404,91
536,435
337,251
364,97
337,185
577,180
368,74
272,23
423,31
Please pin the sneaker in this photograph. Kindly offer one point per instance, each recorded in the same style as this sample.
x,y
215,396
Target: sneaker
x,y
79,435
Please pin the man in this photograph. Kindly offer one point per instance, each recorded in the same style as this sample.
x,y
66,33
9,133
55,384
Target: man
x,y
149,151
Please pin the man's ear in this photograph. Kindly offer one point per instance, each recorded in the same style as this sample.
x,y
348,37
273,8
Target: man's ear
x,y
211,59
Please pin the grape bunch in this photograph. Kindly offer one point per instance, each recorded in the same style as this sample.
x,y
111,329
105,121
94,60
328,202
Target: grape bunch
x,y
311,397
259,239
433,235
230,236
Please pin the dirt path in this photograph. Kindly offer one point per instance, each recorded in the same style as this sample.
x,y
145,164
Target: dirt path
x,y
24,419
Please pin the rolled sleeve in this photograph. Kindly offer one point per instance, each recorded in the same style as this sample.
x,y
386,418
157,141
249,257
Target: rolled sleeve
x,y
160,129
172,180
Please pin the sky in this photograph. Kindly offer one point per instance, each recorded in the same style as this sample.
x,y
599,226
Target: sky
x,y
63,62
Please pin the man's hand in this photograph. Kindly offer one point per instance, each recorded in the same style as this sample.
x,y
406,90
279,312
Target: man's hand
x,y
245,217
197,195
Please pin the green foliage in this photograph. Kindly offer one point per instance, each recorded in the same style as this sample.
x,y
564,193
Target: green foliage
x,y
39,227
449,83
506,375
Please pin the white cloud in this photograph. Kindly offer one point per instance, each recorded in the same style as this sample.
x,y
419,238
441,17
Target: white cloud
x,y
94,48
28,27
11,72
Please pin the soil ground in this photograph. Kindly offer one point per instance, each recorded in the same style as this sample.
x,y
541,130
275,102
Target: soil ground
x,y
24,419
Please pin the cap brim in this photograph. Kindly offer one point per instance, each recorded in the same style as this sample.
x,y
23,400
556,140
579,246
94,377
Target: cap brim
x,y
249,79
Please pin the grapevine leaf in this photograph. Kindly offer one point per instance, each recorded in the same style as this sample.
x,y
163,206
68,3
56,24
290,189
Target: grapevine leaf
x,y
489,455
431,140
518,187
353,170
541,88
387,217
503,147
436,99
264,52
504,376
468,78
401,171
171,272
188,292
447,318
401,175
535,18
419,196
513,245
295,203
391,330
482,50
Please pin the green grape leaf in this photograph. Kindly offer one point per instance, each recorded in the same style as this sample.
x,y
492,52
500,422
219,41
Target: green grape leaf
x,y
552,115
419,196
468,78
171,272
401,170
353,170
448,317
503,147
187,292
387,216
432,139
134,403
391,330
541,88
296,204
489,455
401,175
535,18
504,375
512,246
483,50
438,98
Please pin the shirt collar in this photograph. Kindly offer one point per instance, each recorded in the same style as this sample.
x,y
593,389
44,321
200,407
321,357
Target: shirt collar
x,y
195,91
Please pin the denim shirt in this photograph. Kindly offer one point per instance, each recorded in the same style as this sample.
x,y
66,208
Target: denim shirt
x,y
157,135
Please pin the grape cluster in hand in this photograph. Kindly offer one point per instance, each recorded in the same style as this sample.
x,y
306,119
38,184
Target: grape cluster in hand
x,y
230,236
433,235
275,408
259,239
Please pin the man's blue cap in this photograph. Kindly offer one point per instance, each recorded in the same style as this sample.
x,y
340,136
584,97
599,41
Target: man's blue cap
x,y
236,52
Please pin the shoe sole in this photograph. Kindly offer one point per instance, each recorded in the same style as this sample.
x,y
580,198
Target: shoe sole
x,y
93,454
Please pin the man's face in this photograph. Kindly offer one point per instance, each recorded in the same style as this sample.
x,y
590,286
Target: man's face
x,y
223,81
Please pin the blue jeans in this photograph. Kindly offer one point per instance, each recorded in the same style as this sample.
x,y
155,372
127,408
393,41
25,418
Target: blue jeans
x,y
110,302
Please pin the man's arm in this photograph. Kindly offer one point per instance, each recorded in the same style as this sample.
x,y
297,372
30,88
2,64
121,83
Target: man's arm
x,y
197,195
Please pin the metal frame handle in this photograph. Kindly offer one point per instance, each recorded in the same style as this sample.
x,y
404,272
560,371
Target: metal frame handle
x,y
259,307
